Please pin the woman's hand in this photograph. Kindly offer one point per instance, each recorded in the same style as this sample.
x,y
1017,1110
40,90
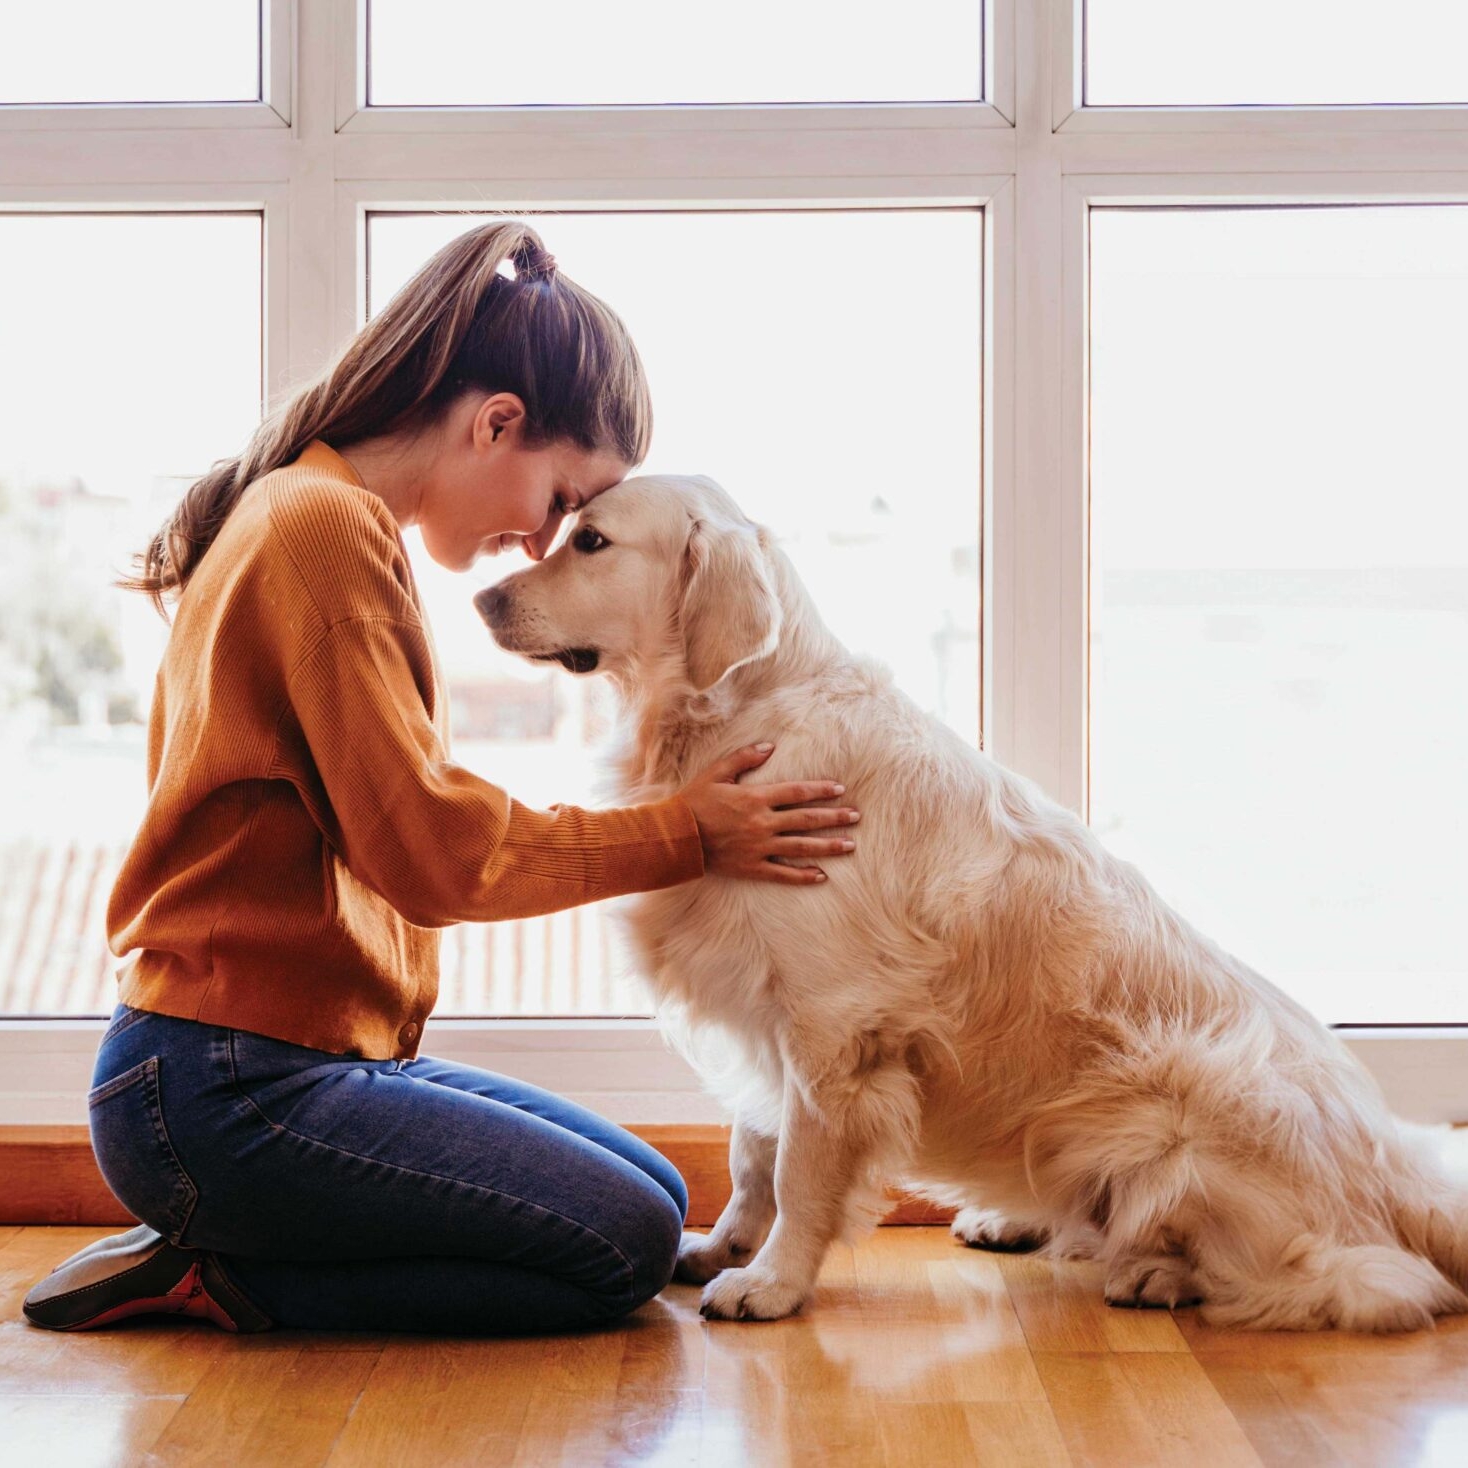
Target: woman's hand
x,y
743,826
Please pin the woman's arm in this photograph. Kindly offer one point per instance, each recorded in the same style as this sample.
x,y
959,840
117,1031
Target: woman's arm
x,y
433,838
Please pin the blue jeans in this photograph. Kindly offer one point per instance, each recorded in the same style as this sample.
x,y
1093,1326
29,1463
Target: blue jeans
x,y
349,1194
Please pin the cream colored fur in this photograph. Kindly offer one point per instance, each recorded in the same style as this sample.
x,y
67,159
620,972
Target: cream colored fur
x,y
981,1003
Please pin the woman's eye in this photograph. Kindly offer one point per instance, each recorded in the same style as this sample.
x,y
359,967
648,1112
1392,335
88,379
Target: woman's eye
x,y
588,540
561,507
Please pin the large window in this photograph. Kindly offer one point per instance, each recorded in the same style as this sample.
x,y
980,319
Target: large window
x,y
1279,554
131,360
1119,343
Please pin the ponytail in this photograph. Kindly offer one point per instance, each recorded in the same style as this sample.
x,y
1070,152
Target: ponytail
x,y
459,324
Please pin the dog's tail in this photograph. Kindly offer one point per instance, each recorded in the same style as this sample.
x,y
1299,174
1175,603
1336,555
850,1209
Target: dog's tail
x,y
1394,1256
1323,1284
1432,1197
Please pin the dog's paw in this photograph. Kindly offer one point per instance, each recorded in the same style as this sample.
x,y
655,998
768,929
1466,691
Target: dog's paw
x,y
700,1259
1155,1282
749,1294
984,1228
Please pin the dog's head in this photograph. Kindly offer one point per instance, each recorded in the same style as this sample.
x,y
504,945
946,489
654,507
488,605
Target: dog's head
x,y
656,568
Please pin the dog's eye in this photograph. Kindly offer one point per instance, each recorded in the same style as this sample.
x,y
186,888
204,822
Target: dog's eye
x,y
588,540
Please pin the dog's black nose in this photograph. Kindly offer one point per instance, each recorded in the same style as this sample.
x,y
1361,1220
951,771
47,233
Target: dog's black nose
x,y
492,603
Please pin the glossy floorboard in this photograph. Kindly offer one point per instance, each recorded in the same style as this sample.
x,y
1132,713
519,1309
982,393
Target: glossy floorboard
x,y
913,1351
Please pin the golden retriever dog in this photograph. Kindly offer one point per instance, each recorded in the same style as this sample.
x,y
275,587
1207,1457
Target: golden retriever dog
x,y
981,1003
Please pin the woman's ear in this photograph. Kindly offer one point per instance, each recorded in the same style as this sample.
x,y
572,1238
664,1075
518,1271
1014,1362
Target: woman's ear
x,y
497,412
730,613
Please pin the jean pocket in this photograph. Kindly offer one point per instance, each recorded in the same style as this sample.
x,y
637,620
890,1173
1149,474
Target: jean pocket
x,y
134,1152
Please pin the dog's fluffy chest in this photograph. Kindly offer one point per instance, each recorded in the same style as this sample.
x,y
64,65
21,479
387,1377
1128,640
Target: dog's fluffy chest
x,y
708,946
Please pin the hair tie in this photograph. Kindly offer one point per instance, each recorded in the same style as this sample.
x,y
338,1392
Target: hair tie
x,y
542,268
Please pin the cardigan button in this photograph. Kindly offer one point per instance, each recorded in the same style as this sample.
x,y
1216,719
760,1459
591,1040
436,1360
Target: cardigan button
x,y
408,1033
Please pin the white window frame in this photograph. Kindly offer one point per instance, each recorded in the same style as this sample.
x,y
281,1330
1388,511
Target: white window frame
x,y
315,161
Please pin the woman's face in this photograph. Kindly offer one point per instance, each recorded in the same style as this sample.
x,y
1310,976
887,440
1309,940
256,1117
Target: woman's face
x,y
489,492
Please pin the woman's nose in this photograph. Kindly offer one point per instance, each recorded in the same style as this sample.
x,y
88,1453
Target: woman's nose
x,y
537,545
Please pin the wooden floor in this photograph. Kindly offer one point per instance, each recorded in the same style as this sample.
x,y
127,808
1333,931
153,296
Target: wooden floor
x,y
913,1351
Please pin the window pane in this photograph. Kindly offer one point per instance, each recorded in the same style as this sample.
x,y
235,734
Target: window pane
x,y
137,51
793,358
131,363
1280,588
425,53
1187,53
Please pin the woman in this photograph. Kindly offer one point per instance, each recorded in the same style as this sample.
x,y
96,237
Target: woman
x,y
258,1099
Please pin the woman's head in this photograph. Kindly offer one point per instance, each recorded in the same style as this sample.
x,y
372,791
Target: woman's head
x,y
475,486
459,333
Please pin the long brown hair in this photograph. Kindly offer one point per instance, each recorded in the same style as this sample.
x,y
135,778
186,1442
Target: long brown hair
x,y
459,324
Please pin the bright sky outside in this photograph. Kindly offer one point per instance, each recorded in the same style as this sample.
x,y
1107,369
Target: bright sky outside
x,y
132,363
129,51
1198,53
434,52
1280,587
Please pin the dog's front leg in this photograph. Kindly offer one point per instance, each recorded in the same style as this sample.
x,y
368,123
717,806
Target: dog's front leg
x,y
816,1165
746,1219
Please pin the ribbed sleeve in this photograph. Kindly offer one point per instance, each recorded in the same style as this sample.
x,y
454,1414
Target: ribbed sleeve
x,y
437,841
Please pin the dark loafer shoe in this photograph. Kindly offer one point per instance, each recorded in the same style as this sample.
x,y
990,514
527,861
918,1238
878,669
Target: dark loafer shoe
x,y
139,1273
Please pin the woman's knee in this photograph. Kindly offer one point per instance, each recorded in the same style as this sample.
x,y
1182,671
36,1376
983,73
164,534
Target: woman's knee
x,y
649,1230
673,1184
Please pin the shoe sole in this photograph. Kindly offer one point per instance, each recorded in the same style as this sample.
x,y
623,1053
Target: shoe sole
x,y
174,1302
194,1294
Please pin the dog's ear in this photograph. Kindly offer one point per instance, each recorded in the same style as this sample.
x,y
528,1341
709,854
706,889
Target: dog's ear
x,y
730,613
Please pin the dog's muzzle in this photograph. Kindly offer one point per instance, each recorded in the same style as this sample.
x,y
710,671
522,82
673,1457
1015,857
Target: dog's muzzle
x,y
494,606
